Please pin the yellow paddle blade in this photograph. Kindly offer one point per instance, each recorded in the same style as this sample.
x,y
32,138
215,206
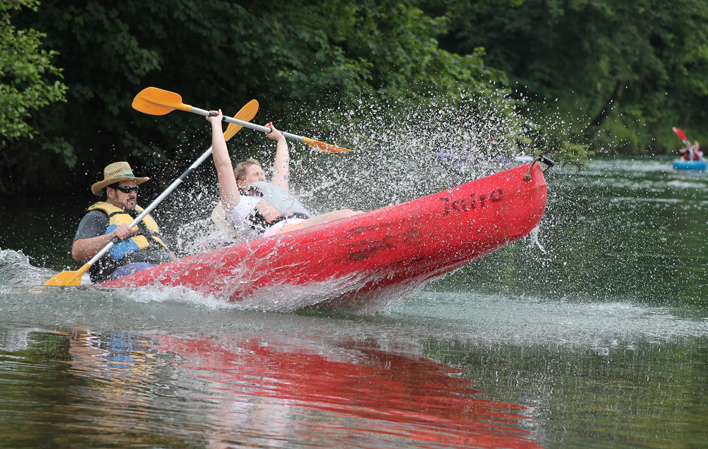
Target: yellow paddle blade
x,y
68,278
246,114
154,101
324,147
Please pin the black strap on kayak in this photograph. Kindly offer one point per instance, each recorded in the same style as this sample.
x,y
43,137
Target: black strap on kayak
x,y
545,160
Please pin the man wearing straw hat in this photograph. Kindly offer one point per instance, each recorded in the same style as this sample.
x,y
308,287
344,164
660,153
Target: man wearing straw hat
x,y
139,248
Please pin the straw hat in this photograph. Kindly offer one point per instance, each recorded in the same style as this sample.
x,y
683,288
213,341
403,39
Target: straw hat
x,y
116,172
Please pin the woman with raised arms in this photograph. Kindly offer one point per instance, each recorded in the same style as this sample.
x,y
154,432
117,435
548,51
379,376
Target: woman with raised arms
x,y
248,199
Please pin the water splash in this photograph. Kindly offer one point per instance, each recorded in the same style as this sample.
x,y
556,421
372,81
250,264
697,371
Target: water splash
x,y
533,239
198,236
404,151
17,271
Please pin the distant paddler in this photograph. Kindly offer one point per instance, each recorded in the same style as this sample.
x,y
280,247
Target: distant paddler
x,y
248,200
691,152
139,247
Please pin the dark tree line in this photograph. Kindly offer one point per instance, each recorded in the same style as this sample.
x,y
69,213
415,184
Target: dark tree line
x,y
623,71
618,74
291,55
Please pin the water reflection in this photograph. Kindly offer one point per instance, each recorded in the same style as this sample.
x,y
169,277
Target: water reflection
x,y
130,389
123,362
346,390
642,394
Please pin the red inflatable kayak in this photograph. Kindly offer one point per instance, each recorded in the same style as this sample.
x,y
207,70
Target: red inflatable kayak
x,y
399,246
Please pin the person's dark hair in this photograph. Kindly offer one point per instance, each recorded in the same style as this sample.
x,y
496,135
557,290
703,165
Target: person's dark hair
x,y
110,186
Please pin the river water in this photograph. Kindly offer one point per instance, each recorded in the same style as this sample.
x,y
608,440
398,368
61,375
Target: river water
x,y
592,332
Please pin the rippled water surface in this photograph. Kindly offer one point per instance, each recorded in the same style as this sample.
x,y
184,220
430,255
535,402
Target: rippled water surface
x,y
592,332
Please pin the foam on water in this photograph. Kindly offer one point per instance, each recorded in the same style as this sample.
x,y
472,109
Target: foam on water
x,y
175,294
480,319
280,298
19,277
687,185
646,200
529,321
601,166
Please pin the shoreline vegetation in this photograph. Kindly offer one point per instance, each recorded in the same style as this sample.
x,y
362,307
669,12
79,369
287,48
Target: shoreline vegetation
x,y
516,75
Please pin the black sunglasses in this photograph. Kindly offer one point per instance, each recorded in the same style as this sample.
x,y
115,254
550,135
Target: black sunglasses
x,y
126,189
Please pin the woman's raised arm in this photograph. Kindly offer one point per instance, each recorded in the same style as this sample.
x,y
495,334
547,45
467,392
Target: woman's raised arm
x,y
228,189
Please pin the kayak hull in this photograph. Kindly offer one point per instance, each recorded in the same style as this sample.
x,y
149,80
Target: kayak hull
x,y
701,165
399,246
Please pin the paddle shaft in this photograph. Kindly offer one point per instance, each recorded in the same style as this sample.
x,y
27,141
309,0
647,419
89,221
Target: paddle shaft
x,y
154,204
250,125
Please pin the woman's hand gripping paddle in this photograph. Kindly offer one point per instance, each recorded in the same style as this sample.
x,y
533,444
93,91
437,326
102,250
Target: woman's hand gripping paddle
x,y
154,101
73,278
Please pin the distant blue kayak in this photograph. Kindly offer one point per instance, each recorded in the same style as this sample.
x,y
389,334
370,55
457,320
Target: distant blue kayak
x,y
691,165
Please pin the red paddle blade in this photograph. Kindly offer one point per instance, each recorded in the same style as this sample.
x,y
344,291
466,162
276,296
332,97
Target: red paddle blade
x,y
680,133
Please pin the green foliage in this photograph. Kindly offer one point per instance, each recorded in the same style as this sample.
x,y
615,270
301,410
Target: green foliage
x,y
293,56
25,75
627,69
572,154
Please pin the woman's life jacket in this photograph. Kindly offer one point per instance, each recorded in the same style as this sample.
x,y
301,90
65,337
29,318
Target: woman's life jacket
x,y
285,203
282,200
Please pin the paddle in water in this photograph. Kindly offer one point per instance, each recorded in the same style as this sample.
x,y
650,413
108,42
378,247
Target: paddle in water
x,y
73,278
154,101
